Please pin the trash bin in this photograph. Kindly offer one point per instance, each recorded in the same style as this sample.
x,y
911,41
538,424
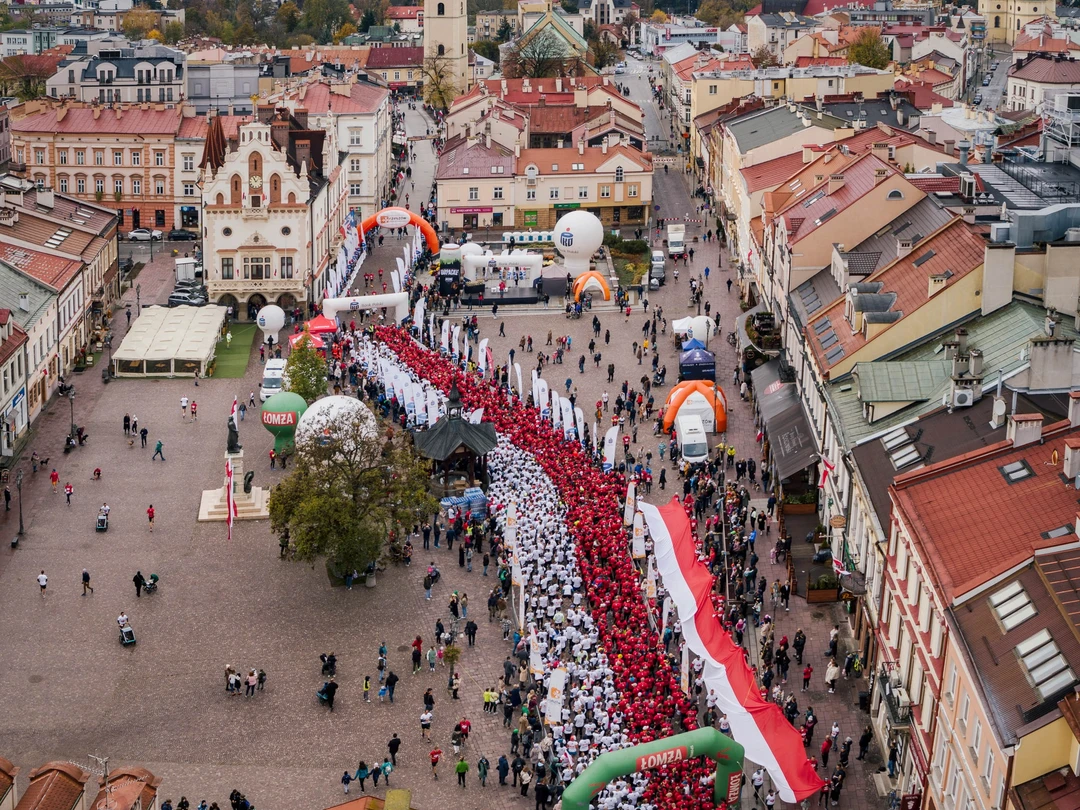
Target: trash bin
x,y
864,701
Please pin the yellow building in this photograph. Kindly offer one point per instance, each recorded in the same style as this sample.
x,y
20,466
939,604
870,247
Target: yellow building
x,y
1005,19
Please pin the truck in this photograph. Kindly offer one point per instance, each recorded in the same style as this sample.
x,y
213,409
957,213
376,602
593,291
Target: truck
x,y
691,439
676,241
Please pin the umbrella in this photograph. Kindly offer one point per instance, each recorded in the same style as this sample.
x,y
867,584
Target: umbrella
x,y
321,325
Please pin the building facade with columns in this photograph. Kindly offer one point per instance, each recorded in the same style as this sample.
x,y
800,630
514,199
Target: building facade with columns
x,y
274,201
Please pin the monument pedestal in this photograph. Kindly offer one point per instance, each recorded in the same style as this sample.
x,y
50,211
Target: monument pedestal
x,y
252,505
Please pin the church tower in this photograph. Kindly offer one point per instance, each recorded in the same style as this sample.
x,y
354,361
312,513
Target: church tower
x,y
446,29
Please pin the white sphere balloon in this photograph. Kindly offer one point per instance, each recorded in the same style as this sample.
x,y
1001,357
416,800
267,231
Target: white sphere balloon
x,y
323,414
271,320
578,235
471,249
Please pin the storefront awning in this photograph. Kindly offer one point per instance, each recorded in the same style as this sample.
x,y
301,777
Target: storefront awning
x,y
790,437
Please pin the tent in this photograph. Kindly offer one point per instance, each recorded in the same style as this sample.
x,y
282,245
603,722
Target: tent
x,y
170,341
697,397
316,341
697,364
591,280
321,325
699,327
693,343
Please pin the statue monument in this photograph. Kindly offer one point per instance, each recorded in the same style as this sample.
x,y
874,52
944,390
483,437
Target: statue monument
x,y
233,445
252,503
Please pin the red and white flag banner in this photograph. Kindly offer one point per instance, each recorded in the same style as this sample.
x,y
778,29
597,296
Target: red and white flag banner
x,y
230,501
759,725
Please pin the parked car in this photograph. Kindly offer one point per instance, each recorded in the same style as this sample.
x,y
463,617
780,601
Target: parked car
x,y
978,98
144,235
180,235
620,71
192,292
986,81
179,299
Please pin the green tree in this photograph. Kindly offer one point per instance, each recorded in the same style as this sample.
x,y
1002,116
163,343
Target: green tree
x,y
869,49
764,58
505,32
589,30
367,20
288,15
139,22
305,370
488,48
349,489
344,30
174,32
569,6
604,52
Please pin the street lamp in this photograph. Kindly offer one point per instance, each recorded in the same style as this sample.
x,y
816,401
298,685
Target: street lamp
x,y
18,487
71,402
138,300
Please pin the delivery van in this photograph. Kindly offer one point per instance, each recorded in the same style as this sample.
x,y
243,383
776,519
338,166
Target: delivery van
x,y
691,439
272,379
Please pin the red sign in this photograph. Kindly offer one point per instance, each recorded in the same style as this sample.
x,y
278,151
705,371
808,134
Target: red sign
x,y
734,785
911,801
649,761
470,210
284,419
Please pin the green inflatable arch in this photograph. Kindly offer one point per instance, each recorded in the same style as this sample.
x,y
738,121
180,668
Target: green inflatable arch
x,y
703,742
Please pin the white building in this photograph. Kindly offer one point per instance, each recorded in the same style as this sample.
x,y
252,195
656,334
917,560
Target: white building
x,y
1034,81
274,201
130,75
657,38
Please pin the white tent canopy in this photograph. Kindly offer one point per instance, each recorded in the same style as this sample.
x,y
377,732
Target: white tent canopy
x,y
170,341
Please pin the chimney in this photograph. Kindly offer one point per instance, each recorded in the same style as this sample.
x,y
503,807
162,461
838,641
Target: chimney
x,y
24,302
542,102
279,132
931,137
581,146
301,117
603,145
964,147
975,363
807,155
97,113
303,152
937,283
61,112
487,140
880,174
1050,322
881,151
1024,428
903,247
949,146
836,182
517,149
119,113
45,198
961,340
1074,409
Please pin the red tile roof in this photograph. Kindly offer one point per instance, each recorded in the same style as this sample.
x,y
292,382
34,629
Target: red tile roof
x,y
772,172
8,771
117,121
936,183
1047,71
403,12
53,271
55,786
815,7
128,788
964,543
955,248
318,98
382,58
1041,43
592,159
922,95
814,61
195,128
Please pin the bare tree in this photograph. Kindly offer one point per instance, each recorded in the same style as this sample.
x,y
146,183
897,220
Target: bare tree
x,y
440,87
541,57
627,29
604,52
25,75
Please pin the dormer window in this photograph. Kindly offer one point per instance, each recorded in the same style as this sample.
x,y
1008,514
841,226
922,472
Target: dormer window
x,y
619,175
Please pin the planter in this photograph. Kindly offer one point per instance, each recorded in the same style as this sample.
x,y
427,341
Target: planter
x,y
822,595
800,508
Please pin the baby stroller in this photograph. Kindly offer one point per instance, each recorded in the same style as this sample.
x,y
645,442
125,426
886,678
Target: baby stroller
x,y
127,635
102,522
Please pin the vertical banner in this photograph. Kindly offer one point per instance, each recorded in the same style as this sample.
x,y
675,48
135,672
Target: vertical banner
x,y
482,359
579,420
556,410
631,504
567,418
638,538
431,329
684,670
517,371
543,401
432,406
454,350
665,612
611,439
594,437
510,532
536,660
650,580
535,389
444,341
556,694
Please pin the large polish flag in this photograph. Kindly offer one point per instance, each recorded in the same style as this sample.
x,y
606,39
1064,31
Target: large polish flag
x,y
760,726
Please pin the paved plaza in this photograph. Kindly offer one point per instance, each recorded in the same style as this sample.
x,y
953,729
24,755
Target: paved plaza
x,y
70,689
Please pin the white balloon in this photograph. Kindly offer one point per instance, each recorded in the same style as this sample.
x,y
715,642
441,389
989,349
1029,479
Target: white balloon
x,y
271,320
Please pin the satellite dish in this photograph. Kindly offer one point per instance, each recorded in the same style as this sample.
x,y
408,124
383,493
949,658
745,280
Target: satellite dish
x,y
999,408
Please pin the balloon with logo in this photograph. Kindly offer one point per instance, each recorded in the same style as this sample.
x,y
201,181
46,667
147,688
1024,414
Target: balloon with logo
x,y
578,235
270,319
280,415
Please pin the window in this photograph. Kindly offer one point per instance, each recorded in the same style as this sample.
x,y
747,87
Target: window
x,y
962,718
189,163
442,50
497,193
976,742
554,167
63,185
895,194
356,137
605,192
80,185
583,192
950,688
39,157
189,189
99,185
159,158
355,189
99,157
988,768
440,10
226,269
354,165
117,158
577,167
286,266
474,192
136,158
61,157
1046,667
80,157
136,186
118,186
712,89
1012,606
619,175
256,267
553,194
159,187
632,190
530,194
397,75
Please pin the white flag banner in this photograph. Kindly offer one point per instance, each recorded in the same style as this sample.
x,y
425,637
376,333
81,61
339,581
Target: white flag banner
x,y
444,342
579,420
650,581
631,504
611,438
431,329
483,357
638,537
454,350
556,409
567,409
517,371
543,401
476,416
536,659
396,275
556,694
410,401
534,389
594,436
432,406
418,316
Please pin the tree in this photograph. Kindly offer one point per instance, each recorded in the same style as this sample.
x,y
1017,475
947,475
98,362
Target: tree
x,y
440,85
659,16
156,35
869,49
764,58
350,488
345,30
604,52
487,48
542,56
721,13
367,20
589,30
569,6
626,28
505,32
288,15
138,22
174,32
25,75
305,370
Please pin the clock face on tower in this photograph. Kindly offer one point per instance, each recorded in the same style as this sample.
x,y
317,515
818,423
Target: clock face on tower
x,y
255,181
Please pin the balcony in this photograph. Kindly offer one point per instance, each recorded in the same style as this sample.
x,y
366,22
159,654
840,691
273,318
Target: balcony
x,y
896,701
250,212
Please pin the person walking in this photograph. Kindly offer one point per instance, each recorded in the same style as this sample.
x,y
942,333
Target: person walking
x,y
503,769
43,582
393,747
69,490
361,775
832,672
864,742
346,780
461,768
86,586
387,767
150,517
806,673
436,755
826,747
158,450
482,768
139,581
142,436
425,724
54,478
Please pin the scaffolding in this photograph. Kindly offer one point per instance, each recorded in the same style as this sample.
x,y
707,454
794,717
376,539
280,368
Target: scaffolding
x,y
1061,127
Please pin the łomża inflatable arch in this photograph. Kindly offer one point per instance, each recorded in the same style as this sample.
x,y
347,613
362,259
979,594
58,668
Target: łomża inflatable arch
x,y
591,280
714,397
400,217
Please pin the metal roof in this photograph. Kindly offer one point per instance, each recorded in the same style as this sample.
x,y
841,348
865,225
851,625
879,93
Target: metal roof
x,y
766,126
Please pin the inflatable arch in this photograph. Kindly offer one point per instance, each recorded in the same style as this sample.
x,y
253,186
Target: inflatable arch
x,y
399,301
399,218
712,394
703,742
591,280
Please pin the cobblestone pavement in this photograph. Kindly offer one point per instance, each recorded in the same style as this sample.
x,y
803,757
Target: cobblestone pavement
x,y
71,689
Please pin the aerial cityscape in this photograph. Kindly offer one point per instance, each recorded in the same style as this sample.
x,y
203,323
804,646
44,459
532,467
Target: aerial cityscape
x,y
555,404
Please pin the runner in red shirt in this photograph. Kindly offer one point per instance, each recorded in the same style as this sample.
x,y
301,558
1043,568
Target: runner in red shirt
x,y
435,756
150,516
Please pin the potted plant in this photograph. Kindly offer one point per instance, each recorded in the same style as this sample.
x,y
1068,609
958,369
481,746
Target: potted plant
x,y
99,195
118,196
804,504
824,588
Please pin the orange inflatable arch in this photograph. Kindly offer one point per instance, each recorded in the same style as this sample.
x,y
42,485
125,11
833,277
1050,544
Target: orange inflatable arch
x,y
400,217
713,394
587,279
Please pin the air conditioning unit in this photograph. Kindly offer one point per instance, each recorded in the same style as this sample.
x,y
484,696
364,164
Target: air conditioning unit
x,y
963,398
903,700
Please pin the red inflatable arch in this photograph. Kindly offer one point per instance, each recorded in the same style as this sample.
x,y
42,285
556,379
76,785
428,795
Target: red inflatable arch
x,y
399,218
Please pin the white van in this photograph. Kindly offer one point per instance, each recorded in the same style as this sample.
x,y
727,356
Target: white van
x,y
656,268
272,379
690,436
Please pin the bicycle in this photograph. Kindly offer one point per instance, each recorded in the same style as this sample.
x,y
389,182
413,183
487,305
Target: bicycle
x,y
894,799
